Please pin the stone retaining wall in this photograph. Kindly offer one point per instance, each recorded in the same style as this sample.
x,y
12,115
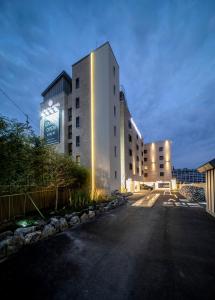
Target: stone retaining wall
x,y
11,242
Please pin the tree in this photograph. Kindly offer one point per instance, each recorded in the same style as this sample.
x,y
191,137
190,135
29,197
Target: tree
x,y
27,160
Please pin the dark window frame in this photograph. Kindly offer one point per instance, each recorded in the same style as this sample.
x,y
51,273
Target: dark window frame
x,y
77,141
77,83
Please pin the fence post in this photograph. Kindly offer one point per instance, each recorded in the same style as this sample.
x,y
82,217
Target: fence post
x,y
9,209
56,198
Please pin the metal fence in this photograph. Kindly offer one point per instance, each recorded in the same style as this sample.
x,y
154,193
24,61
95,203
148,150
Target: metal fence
x,y
15,205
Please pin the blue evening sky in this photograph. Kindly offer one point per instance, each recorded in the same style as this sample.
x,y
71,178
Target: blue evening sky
x,y
165,49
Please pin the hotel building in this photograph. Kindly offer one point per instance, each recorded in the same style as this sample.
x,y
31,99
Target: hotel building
x,y
87,117
158,164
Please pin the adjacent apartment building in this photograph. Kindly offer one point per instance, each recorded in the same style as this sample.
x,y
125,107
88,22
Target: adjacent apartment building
x,y
87,117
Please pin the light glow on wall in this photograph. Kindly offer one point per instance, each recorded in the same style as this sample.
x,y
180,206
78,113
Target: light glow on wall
x,y
92,113
167,151
135,126
153,154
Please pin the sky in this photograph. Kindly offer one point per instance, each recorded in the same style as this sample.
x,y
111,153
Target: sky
x,y
165,50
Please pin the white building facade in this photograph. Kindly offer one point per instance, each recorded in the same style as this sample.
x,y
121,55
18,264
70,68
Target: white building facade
x,y
87,117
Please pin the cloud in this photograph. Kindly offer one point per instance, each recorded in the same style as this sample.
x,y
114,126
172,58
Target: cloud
x,y
165,50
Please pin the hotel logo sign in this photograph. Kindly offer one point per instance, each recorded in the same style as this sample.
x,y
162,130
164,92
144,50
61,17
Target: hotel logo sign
x,y
52,128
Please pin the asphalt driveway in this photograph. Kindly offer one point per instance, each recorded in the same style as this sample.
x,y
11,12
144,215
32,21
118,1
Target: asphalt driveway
x,y
131,252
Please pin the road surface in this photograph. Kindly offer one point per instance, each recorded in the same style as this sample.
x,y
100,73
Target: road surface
x,y
132,252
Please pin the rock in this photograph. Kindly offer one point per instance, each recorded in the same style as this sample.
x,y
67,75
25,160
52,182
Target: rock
x,y
63,224
69,216
3,249
14,243
24,230
55,223
91,214
48,230
40,224
5,234
106,208
84,218
193,193
74,221
32,237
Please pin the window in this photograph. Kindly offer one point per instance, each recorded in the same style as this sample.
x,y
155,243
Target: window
x,y
142,172
130,152
138,170
130,138
77,83
114,130
145,174
141,162
77,103
161,173
137,158
78,159
161,166
161,157
129,124
142,144
160,149
77,141
77,122
114,71
114,89
114,110
137,136
115,175
145,151
70,114
130,166
142,153
145,158
70,148
137,147
115,153
70,132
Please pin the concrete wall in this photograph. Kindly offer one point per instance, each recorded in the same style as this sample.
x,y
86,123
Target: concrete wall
x,y
210,191
152,166
104,79
81,70
131,179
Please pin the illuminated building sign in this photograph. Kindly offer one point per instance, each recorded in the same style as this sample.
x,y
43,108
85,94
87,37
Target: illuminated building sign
x,y
51,128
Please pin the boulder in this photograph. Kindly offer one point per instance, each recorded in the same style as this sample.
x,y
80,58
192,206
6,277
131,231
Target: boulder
x,y
3,249
69,216
55,222
84,218
48,230
193,193
22,231
32,237
5,235
91,214
40,224
63,224
74,221
14,243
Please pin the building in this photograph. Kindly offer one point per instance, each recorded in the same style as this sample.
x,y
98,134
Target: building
x,y
86,116
158,164
209,170
188,176
132,146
